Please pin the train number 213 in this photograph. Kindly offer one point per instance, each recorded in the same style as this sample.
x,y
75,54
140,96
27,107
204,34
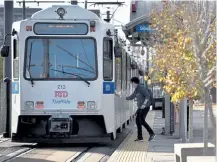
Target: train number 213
x,y
61,87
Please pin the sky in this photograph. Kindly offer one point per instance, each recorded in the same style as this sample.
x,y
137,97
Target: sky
x,y
121,16
123,10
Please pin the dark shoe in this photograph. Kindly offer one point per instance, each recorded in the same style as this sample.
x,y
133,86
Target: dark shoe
x,y
152,136
139,139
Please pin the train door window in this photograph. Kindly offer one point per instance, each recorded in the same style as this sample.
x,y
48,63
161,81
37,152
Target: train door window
x,y
124,71
107,59
118,74
128,72
15,59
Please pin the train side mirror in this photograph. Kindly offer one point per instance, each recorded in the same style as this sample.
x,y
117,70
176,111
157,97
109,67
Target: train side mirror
x,y
118,51
5,51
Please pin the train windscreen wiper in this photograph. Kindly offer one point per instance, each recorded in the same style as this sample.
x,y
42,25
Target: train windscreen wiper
x,y
28,69
30,77
88,83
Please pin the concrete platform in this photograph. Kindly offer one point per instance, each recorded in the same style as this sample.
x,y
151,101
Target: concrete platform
x,y
183,150
201,159
161,149
130,151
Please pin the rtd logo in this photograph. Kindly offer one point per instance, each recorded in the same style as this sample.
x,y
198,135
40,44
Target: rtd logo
x,y
61,94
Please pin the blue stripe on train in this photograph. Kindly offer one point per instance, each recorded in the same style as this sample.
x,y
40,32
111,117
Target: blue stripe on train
x,y
108,87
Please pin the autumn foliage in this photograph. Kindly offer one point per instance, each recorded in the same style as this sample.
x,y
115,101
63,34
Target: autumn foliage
x,y
175,62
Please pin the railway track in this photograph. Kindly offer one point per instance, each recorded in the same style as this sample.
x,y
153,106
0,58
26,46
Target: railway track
x,y
77,157
78,154
9,150
19,152
25,153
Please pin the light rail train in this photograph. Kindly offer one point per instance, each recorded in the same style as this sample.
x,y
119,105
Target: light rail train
x,y
67,69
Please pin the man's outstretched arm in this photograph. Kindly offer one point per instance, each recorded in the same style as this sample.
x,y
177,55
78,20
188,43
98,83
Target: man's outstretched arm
x,y
132,96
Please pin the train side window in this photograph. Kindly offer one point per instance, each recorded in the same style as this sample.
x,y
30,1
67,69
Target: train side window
x,y
15,59
107,59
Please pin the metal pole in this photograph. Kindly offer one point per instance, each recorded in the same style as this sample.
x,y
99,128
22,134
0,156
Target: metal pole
x,y
8,20
148,59
167,114
85,4
190,131
108,14
183,118
205,127
8,107
24,9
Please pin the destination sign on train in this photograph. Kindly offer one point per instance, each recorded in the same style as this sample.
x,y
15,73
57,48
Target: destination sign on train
x,y
60,29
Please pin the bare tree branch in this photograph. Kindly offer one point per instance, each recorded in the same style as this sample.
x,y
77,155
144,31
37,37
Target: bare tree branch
x,y
207,49
208,23
201,11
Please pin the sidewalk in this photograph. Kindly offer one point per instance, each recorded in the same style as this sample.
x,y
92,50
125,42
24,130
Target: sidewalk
x,y
161,149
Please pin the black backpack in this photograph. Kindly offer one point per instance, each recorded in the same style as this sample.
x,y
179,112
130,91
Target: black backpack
x,y
151,97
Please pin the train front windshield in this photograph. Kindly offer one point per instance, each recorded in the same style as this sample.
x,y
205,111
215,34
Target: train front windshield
x,y
60,58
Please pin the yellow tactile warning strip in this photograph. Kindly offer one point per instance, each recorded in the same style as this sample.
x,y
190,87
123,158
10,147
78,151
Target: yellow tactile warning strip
x,y
130,151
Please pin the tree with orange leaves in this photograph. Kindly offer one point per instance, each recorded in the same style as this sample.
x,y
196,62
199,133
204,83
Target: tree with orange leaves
x,y
185,47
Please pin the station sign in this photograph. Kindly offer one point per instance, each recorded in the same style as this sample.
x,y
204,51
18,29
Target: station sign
x,y
144,28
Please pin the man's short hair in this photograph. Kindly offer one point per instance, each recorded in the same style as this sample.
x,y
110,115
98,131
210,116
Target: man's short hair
x,y
135,80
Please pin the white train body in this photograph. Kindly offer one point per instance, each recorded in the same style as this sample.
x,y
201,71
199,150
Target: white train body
x,y
53,61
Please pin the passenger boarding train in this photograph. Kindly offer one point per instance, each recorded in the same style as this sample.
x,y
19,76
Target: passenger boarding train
x,y
67,69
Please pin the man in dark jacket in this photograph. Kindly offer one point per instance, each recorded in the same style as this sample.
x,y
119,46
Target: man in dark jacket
x,y
143,103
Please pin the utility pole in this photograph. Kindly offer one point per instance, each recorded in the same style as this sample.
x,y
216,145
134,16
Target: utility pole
x,y
74,2
85,4
24,9
8,20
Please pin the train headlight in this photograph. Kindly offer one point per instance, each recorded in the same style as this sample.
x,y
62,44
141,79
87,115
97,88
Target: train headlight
x,y
92,26
61,12
92,23
29,105
91,105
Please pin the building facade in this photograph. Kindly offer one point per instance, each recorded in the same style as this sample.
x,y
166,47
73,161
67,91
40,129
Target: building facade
x,y
18,15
